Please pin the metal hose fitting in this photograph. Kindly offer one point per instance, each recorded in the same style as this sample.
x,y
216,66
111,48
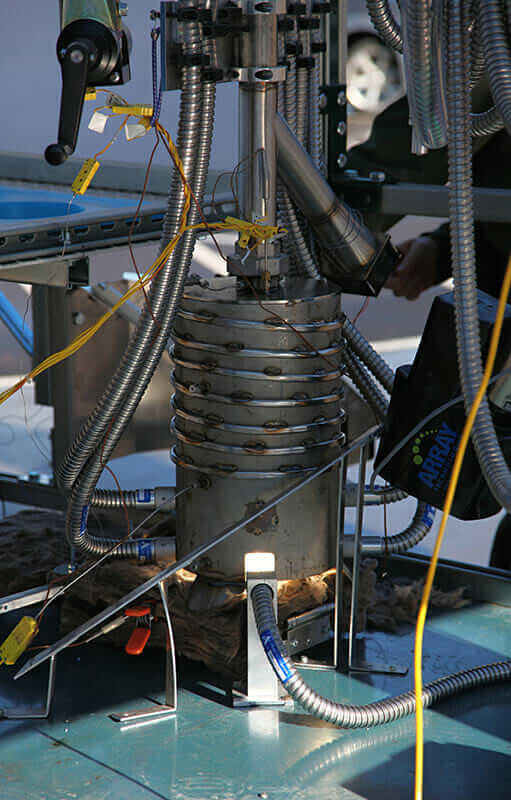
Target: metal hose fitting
x,y
368,355
351,716
383,20
162,497
489,453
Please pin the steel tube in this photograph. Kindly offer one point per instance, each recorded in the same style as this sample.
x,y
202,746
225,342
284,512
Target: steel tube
x,y
336,226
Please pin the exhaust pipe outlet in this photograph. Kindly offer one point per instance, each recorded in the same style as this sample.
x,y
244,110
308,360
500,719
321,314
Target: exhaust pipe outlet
x,y
351,255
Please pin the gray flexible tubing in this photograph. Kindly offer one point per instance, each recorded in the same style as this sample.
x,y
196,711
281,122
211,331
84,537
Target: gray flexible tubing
x,y
497,57
302,261
108,499
365,384
314,113
383,20
94,429
368,355
350,716
489,453
425,105
418,528
193,141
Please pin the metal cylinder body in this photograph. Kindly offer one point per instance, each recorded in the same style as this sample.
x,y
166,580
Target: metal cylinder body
x,y
255,406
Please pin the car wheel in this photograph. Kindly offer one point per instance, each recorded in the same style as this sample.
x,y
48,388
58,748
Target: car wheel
x,y
373,75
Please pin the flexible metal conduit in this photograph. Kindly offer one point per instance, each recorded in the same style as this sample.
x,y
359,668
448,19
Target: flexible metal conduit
x,y
424,101
418,528
496,52
350,716
368,355
193,142
107,499
383,20
488,450
162,292
364,383
302,261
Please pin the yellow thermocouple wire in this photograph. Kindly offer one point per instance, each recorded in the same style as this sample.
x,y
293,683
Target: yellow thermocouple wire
x,y
423,610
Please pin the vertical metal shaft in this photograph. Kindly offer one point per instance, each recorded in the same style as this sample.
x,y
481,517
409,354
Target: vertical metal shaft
x,y
258,161
339,621
356,555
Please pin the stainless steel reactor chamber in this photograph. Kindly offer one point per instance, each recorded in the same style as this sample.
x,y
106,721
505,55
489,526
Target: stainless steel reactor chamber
x,y
257,403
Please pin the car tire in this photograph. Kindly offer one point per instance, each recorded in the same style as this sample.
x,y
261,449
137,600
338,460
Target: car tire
x,y
373,75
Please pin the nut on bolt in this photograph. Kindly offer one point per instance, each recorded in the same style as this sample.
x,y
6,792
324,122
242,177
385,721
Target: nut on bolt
x,y
342,160
341,98
377,177
341,128
322,101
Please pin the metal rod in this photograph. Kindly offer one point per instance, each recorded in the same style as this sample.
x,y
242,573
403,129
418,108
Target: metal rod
x,y
120,604
16,325
339,571
356,555
170,656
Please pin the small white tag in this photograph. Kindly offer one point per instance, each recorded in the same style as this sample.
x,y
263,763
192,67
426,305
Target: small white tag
x,y
134,130
97,122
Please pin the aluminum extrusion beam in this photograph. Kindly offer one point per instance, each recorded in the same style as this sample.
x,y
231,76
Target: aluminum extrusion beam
x,y
425,200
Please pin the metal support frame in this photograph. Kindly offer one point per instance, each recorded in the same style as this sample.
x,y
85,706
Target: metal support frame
x,y
169,708
15,602
262,687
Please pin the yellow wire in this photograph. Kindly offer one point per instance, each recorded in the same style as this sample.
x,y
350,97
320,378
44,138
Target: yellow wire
x,y
421,619
259,232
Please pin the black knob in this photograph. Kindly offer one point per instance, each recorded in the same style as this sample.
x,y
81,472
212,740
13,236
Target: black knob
x,y
56,154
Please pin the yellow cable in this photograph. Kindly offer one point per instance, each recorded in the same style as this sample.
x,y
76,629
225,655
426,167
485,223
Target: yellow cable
x,y
423,609
258,232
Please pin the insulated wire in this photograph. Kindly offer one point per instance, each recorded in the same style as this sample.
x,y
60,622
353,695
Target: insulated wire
x,y
458,461
146,278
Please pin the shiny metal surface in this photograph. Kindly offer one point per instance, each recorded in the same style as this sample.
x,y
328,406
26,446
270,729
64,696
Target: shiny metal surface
x,y
342,234
255,405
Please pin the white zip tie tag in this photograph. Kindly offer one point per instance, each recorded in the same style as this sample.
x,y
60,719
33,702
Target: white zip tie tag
x,y
98,122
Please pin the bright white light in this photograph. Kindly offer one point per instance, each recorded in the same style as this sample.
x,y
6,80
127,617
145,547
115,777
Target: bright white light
x,y
259,562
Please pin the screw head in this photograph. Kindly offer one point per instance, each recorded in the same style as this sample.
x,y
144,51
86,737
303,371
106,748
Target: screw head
x,y
341,98
322,101
341,128
115,77
76,56
342,160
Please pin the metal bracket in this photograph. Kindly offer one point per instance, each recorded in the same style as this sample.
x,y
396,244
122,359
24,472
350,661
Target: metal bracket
x,y
310,628
262,686
13,602
333,105
169,708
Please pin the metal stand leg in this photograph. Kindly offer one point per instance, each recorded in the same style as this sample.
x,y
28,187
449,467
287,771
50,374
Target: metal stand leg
x,y
340,657
169,708
35,713
356,664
